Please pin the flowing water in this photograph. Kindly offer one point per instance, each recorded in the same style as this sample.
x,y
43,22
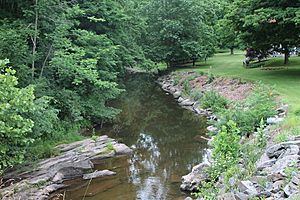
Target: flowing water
x,y
166,140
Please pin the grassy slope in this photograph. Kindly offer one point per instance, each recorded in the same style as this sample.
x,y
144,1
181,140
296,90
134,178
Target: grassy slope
x,y
285,81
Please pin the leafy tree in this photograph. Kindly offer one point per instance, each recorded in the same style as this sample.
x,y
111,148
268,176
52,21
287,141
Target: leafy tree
x,y
227,36
266,25
15,127
179,30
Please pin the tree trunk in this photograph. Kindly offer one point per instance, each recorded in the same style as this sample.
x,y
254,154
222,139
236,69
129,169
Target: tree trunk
x,y
34,40
231,51
44,63
286,55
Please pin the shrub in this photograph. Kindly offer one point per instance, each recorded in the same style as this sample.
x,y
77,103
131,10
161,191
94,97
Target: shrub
x,y
226,152
213,100
226,145
248,113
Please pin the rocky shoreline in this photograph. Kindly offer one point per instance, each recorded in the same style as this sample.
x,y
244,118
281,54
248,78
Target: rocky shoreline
x,y
75,161
167,84
271,180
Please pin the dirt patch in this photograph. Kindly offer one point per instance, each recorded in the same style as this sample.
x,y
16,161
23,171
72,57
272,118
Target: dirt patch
x,y
231,89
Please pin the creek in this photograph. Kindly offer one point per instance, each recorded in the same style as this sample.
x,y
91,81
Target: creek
x,y
166,140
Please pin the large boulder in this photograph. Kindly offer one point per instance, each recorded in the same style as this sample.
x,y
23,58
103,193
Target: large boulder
x,y
191,181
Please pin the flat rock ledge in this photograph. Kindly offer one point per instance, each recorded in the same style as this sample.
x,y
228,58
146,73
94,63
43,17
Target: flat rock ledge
x,y
75,161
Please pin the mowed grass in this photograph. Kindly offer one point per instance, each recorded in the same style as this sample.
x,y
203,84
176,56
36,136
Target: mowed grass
x,y
285,81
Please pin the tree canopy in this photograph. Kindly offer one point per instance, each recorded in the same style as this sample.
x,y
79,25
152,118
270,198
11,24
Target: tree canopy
x,y
179,30
266,25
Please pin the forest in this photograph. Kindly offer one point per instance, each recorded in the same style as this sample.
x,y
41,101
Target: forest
x,y
61,60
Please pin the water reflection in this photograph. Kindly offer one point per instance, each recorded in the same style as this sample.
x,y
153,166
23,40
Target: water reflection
x,y
163,136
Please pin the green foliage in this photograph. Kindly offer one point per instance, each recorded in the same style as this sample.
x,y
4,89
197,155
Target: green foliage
x,y
248,113
258,20
207,190
227,145
94,136
196,95
45,119
179,30
214,101
289,171
261,137
14,126
226,152
288,133
110,146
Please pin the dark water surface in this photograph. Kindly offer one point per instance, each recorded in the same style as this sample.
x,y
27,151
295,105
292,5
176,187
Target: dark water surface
x,y
166,142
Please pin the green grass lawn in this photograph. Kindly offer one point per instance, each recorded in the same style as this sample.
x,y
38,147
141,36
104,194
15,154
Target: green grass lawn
x,y
285,81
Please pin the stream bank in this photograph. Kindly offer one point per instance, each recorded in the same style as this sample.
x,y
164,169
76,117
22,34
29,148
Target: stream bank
x,y
276,173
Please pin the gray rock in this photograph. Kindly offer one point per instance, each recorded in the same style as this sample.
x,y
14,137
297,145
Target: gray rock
x,y
265,164
274,120
292,150
275,177
290,189
122,149
295,180
165,86
98,174
264,194
226,196
188,198
295,196
294,142
278,195
271,151
278,185
194,179
54,187
177,94
232,181
172,89
187,102
248,188
212,129
283,109
180,99
241,196
282,163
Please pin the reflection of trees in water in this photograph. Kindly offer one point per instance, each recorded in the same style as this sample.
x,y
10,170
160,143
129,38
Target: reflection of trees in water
x,y
145,170
163,136
153,164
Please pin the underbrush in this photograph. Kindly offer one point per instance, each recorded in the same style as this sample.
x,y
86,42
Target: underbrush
x,y
45,147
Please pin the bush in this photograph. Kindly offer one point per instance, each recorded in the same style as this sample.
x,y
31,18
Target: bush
x,y
248,113
226,152
214,101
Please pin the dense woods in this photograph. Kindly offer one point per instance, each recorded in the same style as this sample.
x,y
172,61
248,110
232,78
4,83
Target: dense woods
x,y
61,59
